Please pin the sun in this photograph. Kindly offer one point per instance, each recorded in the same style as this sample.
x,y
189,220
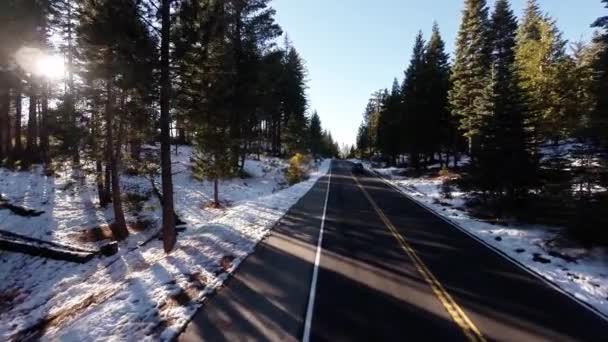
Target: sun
x,y
50,66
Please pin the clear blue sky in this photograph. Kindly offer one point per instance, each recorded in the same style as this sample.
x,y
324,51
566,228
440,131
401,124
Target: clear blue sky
x,y
354,47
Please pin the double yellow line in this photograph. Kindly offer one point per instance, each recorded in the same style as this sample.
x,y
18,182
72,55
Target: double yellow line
x,y
457,314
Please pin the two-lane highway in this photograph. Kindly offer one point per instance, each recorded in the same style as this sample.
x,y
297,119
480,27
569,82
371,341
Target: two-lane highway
x,y
387,270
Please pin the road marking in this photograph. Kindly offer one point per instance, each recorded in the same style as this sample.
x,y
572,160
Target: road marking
x,y
458,315
315,272
495,250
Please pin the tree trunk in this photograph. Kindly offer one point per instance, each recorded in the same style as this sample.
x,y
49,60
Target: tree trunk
x,y
32,126
107,179
101,191
18,113
168,228
135,149
216,193
5,123
119,228
104,199
71,97
44,133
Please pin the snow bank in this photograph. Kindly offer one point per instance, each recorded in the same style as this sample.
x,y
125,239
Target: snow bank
x,y
579,272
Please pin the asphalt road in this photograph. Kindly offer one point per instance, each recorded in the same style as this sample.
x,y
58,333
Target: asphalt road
x,y
388,270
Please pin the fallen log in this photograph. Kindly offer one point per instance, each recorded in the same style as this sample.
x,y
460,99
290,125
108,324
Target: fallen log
x,y
26,245
18,210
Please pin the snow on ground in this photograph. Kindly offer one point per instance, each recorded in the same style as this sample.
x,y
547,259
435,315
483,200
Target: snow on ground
x,y
69,199
139,293
585,276
68,203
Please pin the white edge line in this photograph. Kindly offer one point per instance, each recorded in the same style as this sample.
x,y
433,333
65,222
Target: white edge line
x,y
514,261
315,272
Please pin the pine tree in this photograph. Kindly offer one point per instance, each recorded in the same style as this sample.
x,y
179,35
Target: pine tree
x,y
582,124
208,67
503,165
539,53
415,99
295,134
471,69
13,24
168,225
363,141
389,135
117,48
442,130
371,116
330,147
294,99
271,80
315,135
7,19
600,66
63,20
252,30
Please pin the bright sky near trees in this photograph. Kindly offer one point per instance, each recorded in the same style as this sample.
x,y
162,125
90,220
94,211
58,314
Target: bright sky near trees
x,y
355,47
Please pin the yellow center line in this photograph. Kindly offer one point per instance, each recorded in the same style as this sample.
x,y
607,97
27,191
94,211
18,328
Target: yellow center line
x,y
453,309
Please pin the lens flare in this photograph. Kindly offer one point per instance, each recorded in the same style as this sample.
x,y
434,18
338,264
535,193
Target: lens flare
x,y
50,66
39,63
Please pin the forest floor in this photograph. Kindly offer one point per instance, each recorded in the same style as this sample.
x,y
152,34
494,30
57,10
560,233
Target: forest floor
x,y
139,293
579,271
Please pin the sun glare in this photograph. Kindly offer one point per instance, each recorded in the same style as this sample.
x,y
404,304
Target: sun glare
x,y
50,66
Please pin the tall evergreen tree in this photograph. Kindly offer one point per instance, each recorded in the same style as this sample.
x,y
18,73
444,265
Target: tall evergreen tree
x,y
600,65
168,225
539,54
118,50
415,100
63,19
295,134
441,128
471,69
389,134
252,29
294,99
503,165
372,119
315,135
363,140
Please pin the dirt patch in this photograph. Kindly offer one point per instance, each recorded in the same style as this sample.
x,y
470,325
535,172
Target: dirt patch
x,y
58,318
10,297
182,297
226,262
95,234
104,232
196,281
213,205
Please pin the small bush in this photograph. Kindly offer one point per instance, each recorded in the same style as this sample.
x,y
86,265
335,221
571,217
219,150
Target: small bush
x,y
298,168
135,201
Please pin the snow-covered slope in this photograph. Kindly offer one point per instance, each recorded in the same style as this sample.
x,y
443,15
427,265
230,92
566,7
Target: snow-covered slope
x,y
69,199
140,293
